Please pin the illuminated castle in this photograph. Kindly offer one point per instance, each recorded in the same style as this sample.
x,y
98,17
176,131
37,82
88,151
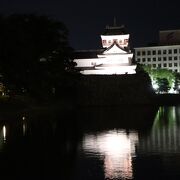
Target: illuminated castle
x,y
114,58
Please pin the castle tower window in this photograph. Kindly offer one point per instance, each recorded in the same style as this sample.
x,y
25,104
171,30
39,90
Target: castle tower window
x,y
120,42
126,41
104,42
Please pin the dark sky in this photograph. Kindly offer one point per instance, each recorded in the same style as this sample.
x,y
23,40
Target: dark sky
x,y
87,19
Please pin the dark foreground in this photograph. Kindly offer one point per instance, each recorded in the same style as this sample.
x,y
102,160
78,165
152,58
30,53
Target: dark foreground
x,y
130,142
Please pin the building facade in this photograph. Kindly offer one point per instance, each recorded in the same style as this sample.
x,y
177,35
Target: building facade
x,y
166,55
114,58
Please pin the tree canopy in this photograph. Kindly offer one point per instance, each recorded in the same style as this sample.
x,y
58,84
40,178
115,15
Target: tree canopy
x,y
32,49
160,74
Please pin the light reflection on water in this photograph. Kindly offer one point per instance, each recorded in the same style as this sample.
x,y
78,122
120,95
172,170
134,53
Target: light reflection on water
x,y
18,128
129,155
4,132
116,148
24,125
114,151
164,137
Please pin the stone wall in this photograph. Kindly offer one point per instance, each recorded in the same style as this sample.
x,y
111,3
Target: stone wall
x,y
113,90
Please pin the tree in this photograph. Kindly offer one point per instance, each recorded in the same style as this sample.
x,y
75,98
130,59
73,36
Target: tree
x,y
28,47
159,74
163,85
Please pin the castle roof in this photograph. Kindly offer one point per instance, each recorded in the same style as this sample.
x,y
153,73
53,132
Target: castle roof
x,y
115,30
84,54
115,47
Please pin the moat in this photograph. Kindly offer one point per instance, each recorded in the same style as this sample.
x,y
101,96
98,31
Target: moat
x,y
139,142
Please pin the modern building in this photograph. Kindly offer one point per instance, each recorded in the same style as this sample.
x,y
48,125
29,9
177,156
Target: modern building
x,y
166,55
114,58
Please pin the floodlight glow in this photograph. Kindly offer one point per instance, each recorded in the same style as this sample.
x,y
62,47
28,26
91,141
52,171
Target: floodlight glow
x,y
154,85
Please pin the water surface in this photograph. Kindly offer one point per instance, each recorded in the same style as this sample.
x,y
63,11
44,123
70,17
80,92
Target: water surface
x,y
92,143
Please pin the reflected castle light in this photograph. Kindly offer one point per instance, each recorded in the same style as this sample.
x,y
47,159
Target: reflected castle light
x,y
116,148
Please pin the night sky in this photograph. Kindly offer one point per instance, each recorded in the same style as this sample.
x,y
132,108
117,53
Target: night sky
x,y
87,19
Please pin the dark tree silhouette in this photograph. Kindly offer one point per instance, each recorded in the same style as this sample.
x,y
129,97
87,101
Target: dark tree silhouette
x,y
33,51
